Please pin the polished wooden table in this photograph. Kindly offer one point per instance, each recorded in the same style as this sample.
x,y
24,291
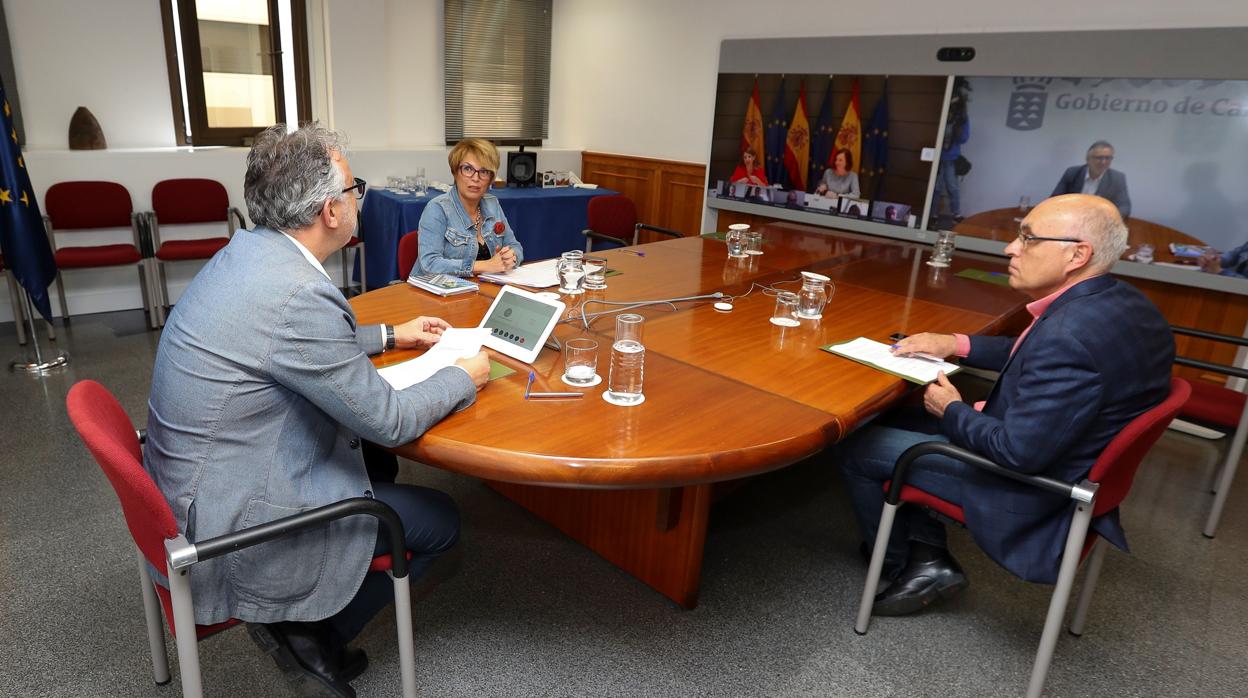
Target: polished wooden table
x,y
1002,224
728,395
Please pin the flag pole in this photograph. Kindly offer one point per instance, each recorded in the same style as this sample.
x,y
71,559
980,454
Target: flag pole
x,y
39,365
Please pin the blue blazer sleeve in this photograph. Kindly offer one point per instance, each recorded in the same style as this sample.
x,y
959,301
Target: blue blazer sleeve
x,y
989,353
1066,185
1064,394
432,258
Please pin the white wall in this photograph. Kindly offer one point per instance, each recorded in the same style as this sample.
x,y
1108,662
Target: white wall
x,y
638,77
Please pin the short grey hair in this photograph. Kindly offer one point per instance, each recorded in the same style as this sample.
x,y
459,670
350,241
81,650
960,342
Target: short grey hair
x,y
290,176
1102,227
1099,144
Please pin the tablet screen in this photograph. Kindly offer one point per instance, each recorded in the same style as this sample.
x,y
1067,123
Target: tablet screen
x,y
520,321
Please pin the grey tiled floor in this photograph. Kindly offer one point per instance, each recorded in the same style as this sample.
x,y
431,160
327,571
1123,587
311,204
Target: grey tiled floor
x,y
520,610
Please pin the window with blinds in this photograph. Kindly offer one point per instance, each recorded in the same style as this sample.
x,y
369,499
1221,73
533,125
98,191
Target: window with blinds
x,y
497,70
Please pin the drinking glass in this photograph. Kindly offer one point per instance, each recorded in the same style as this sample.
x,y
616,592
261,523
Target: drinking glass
x,y
628,360
595,272
785,314
395,183
754,242
580,361
736,239
1024,204
942,250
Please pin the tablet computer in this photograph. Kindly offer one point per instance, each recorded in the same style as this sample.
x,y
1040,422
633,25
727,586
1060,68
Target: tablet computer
x,y
520,322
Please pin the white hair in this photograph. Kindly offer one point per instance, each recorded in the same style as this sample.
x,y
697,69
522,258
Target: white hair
x,y
290,176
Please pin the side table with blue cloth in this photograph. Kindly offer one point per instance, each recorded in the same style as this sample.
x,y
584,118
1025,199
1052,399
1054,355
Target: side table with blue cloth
x,y
548,222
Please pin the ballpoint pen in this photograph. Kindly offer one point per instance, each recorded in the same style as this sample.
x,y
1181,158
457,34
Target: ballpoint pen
x,y
634,252
529,394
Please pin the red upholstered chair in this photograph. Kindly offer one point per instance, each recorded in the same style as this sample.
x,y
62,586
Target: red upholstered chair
x,y
409,251
184,202
1222,407
112,440
1104,489
89,205
613,219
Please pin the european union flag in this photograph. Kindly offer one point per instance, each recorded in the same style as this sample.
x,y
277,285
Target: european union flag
x,y
875,145
23,240
777,132
821,140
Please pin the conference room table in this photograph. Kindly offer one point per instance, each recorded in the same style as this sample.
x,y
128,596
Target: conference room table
x,y
1002,224
728,395
547,222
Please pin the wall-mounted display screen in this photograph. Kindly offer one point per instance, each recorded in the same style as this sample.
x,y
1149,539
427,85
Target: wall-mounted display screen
x,y
856,146
1168,153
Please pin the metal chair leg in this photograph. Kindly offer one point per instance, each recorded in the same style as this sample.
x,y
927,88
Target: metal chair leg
x,y
1228,474
1061,594
1096,559
60,293
184,630
407,644
19,318
873,570
155,634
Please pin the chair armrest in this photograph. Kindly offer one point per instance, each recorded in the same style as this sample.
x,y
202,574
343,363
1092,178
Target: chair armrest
x,y
238,215
181,556
1084,491
599,236
657,229
1214,336
1234,371
141,434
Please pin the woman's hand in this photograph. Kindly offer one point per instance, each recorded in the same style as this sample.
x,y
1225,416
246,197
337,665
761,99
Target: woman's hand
x,y
821,189
1211,262
502,262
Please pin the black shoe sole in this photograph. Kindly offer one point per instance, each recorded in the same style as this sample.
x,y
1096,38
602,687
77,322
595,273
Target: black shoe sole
x,y
301,680
918,602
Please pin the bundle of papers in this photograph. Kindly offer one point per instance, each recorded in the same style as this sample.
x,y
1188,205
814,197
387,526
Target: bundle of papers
x,y
880,355
536,275
456,343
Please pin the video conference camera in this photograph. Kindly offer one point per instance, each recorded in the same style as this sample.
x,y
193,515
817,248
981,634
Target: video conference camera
x,y
955,54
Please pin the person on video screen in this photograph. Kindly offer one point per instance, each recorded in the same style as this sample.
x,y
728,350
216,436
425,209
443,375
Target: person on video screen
x,y
840,177
749,171
1233,262
1097,178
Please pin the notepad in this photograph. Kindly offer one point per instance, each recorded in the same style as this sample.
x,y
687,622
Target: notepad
x,y
878,355
536,275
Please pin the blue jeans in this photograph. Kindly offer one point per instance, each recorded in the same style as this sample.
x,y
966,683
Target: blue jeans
x,y
867,459
430,527
947,184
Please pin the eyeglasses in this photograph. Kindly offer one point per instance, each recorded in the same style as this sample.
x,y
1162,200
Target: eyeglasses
x,y
1106,158
359,187
470,172
1026,239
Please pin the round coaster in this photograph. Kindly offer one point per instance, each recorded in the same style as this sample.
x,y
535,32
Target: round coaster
x,y
723,307
941,265
597,379
785,322
606,395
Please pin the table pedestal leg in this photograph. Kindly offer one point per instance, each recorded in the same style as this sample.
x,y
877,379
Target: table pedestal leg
x,y
655,535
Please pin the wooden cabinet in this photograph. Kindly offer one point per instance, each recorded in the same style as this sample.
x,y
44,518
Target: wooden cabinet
x,y
667,193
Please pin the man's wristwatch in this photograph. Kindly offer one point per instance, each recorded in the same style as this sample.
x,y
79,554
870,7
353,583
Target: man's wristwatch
x,y
390,342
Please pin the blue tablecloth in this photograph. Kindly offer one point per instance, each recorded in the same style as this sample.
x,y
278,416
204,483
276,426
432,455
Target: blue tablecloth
x,y
547,222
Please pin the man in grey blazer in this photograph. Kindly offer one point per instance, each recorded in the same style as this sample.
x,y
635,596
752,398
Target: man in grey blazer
x,y
261,393
1097,178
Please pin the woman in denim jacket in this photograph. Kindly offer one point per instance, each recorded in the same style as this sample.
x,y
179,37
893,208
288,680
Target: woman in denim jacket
x,y
464,231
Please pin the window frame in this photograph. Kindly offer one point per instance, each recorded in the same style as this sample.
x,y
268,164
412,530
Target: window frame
x,y
194,110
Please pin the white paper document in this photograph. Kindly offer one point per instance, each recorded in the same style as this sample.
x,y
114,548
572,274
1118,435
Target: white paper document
x,y
880,356
456,343
536,275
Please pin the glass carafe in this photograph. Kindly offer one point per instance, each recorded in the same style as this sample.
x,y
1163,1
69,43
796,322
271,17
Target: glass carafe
x,y
571,270
813,296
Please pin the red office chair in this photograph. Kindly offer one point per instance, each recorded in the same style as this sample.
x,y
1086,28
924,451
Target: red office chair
x,y
188,201
90,206
357,244
409,251
109,435
614,219
1221,406
1103,490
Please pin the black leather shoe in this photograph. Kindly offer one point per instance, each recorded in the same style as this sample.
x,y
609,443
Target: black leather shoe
x,y
889,572
307,655
920,584
354,662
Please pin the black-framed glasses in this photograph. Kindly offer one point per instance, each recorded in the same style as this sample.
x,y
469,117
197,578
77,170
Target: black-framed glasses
x,y
359,187
1026,239
470,172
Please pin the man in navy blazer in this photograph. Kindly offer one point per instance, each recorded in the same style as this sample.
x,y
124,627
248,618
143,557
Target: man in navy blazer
x,y
1097,178
1096,355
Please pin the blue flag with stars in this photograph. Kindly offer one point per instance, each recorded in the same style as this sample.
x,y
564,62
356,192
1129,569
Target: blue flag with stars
x,y
777,133
875,145
27,253
821,140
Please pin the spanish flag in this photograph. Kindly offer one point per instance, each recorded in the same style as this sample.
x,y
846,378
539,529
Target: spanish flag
x,y
850,136
752,133
797,144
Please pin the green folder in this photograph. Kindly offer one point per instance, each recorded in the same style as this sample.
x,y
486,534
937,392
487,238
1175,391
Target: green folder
x,y
993,277
498,370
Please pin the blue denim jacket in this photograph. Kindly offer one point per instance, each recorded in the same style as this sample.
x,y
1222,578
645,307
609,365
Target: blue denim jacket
x,y
1235,262
448,242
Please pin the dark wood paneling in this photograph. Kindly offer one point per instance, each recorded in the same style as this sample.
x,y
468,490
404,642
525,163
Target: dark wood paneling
x,y
667,193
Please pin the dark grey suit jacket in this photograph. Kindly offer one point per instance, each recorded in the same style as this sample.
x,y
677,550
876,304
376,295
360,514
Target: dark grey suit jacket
x,y
1113,186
